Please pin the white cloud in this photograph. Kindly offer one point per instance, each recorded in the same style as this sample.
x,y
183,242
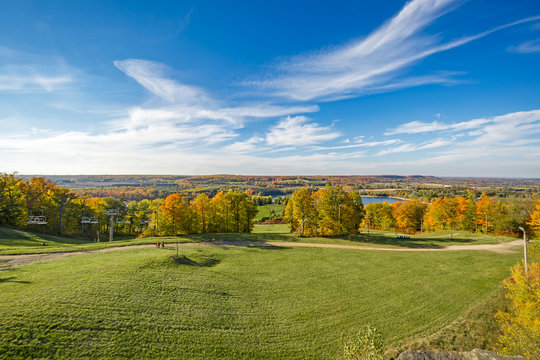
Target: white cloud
x,y
297,132
151,75
416,147
374,63
250,145
416,127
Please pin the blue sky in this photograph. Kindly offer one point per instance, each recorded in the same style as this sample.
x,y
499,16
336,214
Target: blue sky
x,y
434,87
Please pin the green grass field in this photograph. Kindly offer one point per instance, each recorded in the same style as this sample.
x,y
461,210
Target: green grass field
x,y
20,242
234,303
266,210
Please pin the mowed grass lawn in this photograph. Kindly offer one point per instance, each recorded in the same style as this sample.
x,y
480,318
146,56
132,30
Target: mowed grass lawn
x,y
234,302
21,242
266,210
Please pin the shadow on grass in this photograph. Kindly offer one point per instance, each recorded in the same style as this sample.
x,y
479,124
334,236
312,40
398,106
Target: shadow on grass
x,y
205,262
12,279
246,237
412,242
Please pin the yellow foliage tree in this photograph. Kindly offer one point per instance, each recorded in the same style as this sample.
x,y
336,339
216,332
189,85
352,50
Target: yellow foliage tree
x,y
520,327
174,212
534,223
408,214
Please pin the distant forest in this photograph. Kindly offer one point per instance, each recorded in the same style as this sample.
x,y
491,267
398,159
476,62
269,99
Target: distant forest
x,y
428,188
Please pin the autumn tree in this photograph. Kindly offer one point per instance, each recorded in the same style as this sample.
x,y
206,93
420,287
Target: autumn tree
x,y
329,211
380,215
409,214
34,192
242,211
301,213
174,210
202,208
352,212
490,214
520,327
450,214
11,200
61,197
534,221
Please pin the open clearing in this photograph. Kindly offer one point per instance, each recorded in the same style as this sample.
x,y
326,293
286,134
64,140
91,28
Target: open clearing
x,y
249,302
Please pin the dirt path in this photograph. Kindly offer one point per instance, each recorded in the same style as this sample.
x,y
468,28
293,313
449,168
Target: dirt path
x,y
12,260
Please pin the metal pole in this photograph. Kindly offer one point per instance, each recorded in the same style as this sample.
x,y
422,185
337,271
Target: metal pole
x,y
368,224
339,214
111,228
155,222
524,248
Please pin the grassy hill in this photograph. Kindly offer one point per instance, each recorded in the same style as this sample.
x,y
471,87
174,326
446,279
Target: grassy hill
x,y
235,303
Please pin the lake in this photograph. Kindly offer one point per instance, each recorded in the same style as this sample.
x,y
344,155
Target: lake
x,y
378,199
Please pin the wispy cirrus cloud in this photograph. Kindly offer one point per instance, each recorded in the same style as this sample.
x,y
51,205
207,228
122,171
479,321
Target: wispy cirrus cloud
x,y
33,83
375,63
29,73
417,127
532,46
152,75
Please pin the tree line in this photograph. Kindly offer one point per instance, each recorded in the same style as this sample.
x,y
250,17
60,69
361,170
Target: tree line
x,y
62,211
328,211
487,215
333,211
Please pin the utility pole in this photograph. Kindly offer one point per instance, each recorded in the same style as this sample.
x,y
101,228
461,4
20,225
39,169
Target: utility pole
x,y
112,213
524,248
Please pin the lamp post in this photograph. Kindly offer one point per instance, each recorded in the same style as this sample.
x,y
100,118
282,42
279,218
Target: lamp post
x,y
524,248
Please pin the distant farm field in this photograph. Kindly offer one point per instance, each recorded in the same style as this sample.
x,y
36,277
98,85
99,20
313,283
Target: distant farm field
x,y
234,302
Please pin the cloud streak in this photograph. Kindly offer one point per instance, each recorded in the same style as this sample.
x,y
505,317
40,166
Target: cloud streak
x,y
374,63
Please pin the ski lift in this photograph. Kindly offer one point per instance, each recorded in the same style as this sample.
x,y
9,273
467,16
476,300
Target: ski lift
x,y
37,219
123,221
89,220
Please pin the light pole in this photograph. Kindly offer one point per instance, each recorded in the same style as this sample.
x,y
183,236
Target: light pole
x,y
524,248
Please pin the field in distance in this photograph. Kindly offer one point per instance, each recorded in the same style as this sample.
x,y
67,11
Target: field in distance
x,y
235,302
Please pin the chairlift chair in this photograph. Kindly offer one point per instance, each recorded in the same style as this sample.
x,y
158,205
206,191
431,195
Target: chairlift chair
x,y
89,220
37,219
